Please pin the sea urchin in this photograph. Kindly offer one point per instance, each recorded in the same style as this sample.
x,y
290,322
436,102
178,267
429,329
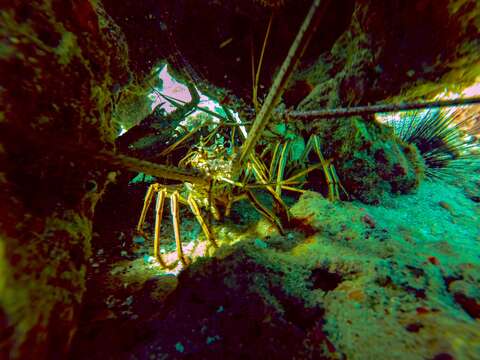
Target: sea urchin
x,y
440,138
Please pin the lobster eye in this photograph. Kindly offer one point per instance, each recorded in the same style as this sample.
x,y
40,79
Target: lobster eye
x,y
90,185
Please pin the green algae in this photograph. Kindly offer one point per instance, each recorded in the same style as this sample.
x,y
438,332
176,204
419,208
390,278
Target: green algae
x,y
55,275
68,48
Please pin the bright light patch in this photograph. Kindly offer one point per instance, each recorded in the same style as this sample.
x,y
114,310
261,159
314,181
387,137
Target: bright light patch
x,y
205,103
171,88
470,91
473,90
180,93
122,130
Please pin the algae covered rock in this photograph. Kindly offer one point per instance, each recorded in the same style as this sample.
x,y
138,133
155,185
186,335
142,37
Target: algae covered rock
x,y
352,281
392,48
402,285
369,160
243,305
60,62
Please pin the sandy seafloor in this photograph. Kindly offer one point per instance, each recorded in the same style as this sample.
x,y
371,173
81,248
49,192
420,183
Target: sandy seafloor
x,y
399,280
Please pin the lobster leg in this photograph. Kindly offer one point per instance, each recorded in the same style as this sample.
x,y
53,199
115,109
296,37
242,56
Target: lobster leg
x,y
265,212
158,222
196,211
281,166
176,227
260,173
331,177
146,205
274,162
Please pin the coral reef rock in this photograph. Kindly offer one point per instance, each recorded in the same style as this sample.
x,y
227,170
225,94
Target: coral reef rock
x,y
58,61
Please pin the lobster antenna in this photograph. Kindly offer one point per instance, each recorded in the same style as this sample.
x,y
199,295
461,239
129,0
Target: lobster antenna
x,y
380,108
296,51
256,78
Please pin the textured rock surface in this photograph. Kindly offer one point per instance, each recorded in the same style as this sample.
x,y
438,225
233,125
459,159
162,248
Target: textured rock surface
x,y
369,160
224,33
352,281
60,62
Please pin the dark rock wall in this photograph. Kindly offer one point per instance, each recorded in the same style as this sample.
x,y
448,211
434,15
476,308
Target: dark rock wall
x,y
60,63
391,47
364,51
214,39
